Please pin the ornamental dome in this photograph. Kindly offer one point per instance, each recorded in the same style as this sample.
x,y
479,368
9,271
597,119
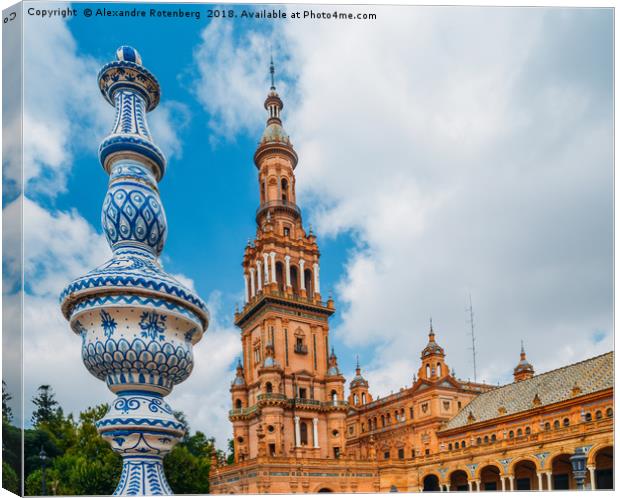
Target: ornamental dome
x,y
333,365
432,348
358,380
128,54
239,380
275,133
524,368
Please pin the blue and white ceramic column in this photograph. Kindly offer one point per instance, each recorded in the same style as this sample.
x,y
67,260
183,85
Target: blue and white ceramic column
x,y
137,323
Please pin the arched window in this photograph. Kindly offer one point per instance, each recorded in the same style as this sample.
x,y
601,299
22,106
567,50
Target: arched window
x,y
382,421
308,283
511,434
263,192
528,431
462,444
486,439
389,419
449,446
356,400
479,440
519,432
456,445
335,396
295,279
280,275
303,433
493,438
588,417
438,369
284,185
547,426
599,414
363,398
566,422
610,412
556,424
428,371
238,404
268,388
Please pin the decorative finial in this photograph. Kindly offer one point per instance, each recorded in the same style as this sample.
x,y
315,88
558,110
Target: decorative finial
x,y
134,223
431,320
357,362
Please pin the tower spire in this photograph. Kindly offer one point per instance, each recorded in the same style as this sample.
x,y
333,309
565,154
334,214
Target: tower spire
x,y
272,70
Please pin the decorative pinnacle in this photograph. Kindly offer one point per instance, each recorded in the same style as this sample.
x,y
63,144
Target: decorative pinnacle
x,y
522,350
272,70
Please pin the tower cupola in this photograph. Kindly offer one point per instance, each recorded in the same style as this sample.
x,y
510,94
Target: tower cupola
x,y
524,369
433,359
333,364
239,380
359,388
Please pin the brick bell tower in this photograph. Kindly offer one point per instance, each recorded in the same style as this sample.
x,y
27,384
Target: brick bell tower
x,y
288,396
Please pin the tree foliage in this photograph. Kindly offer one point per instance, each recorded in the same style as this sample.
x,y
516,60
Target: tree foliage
x,y
80,462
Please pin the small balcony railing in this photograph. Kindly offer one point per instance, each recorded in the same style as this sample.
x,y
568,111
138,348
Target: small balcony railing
x,y
277,396
277,204
301,349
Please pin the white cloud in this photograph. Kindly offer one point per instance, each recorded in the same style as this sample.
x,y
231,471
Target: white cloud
x,y
467,150
233,78
64,111
204,395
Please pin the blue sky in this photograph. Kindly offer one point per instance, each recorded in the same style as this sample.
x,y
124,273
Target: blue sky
x,y
442,151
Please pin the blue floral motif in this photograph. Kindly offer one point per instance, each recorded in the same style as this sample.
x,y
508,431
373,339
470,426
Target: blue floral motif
x,y
108,323
153,325
189,334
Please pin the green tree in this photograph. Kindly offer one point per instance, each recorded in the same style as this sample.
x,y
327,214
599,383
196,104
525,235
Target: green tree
x,y
10,480
187,473
47,411
7,413
230,459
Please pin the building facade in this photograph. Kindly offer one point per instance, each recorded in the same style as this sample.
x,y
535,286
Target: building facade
x,y
296,430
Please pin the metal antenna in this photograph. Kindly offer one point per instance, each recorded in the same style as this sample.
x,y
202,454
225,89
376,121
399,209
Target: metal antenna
x,y
473,336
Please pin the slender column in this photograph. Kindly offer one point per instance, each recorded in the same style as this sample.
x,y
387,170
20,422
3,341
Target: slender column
x,y
317,286
549,481
287,261
297,432
259,275
540,484
501,478
448,487
477,484
273,266
266,259
512,482
252,282
592,470
469,483
302,280
247,287
315,431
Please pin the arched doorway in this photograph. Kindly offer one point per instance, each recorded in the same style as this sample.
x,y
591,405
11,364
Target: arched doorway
x,y
562,472
490,479
458,481
525,476
431,483
604,463
325,490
